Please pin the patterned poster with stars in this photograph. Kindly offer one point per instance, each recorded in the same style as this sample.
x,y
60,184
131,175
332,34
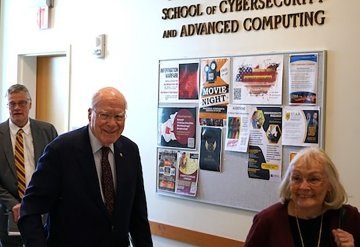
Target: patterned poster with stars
x,y
257,79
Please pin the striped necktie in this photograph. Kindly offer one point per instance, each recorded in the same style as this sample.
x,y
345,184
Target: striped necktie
x,y
19,162
107,182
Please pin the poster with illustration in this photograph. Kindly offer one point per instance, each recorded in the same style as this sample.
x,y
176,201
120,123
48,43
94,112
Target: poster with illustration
x,y
188,173
179,81
301,126
214,91
265,144
167,162
211,148
257,79
238,128
177,127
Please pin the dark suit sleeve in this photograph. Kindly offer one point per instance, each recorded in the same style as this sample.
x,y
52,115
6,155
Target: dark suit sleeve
x,y
41,194
34,236
139,225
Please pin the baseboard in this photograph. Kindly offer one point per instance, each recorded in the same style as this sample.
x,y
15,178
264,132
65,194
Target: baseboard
x,y
192,237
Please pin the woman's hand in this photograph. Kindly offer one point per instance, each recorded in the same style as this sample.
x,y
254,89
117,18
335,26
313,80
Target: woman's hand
x,y
343,238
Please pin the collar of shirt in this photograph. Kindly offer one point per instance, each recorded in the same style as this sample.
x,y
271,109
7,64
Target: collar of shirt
x,y
95,144
14,128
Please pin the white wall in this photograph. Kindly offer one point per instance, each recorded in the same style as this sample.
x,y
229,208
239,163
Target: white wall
x,y
134,45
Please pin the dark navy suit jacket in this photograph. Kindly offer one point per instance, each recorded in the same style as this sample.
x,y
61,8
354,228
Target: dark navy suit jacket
x,y
66,186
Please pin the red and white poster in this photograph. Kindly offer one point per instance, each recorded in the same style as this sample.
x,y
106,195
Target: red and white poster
x,y
179,81
177,127
257,79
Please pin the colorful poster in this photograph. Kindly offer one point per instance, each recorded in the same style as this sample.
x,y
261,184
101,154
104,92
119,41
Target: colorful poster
x,y
214,93
188,173
177,127
211,148
303,72
167,162
301,126
257,79
238,122
265,147
179,81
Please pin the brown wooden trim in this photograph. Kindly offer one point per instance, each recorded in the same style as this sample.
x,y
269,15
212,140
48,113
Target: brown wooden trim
x,y
191,237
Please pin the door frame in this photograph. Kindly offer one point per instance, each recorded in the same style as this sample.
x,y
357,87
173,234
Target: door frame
x,y
26,74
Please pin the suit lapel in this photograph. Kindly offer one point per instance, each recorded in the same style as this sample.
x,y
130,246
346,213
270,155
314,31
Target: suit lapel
x,y
38,141
120,158
7,146
85,159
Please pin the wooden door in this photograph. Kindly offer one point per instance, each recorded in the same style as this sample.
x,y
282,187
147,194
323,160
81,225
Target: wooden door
x,y
52,91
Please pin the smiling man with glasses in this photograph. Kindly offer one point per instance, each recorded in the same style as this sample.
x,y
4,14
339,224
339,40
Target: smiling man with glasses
x,y
34,136
90,183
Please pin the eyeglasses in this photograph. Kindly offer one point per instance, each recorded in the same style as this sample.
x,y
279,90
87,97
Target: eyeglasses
x,y
105,116
21,104
313,180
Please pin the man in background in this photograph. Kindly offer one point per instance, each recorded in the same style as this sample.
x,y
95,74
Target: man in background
x,y
35,135
90,183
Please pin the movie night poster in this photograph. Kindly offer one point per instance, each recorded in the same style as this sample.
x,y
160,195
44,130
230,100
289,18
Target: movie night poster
x,y
214,94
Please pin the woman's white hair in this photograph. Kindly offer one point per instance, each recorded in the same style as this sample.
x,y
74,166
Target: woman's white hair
x,y
337,194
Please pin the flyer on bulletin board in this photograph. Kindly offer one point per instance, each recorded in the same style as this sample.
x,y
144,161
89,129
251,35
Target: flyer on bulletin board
x,y
177,127
237,132
211,148
265,144
257,79
214,91
167,162
301,125
303,73
188,173
179,81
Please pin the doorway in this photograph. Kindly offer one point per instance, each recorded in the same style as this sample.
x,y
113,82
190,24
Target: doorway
x,y
47,76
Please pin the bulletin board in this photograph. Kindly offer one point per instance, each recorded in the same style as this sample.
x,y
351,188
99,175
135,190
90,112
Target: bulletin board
x,y
232,187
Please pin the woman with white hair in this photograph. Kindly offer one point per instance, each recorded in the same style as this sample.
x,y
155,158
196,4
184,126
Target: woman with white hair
x,y
312,209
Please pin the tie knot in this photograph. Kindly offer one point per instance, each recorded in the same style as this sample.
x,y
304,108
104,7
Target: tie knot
x,y
20,131
105,150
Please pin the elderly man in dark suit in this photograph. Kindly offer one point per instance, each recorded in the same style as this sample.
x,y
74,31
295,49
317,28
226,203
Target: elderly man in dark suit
x,y
90,183
36,135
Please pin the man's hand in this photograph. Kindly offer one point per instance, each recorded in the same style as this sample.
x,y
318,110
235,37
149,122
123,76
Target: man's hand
x,y
16,212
